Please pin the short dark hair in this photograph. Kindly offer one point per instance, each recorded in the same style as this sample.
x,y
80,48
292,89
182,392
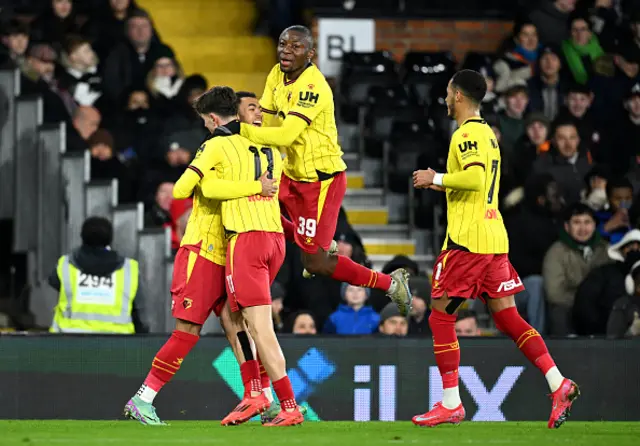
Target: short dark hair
x,y
306,32
471,84
221,101
568,122
245,94
17,27
617,182
97,232
576,209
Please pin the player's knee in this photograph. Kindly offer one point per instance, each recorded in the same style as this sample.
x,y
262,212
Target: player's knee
x,y
188,327
317,263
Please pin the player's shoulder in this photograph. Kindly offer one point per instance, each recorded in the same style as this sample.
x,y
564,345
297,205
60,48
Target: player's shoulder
x,y
475,129
275,75
313,79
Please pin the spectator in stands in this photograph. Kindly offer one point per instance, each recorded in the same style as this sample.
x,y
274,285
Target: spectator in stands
x,y
164,80
596,193
79,72
467,324
546,87
38,78
517,65
86,120
95,275
551,18
583,55
490,103
512,119
58,21
624,319
419,316
129,63
567,262
627,58
179,212
164,212
578,110
532,143
15,41
109,24
567,166
301,323
623,134
106,166
597,293
532,229
353,317
392,323
613,222
277,304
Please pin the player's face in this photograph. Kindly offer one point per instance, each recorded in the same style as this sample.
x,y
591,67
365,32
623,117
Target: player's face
x,y
581,227
467,327
451,101
293,54
528,37
567,140
304,324
620,197
537,132
578,104
250,112
396,325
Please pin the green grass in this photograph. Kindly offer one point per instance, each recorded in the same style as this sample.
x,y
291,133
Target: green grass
x,y
128,433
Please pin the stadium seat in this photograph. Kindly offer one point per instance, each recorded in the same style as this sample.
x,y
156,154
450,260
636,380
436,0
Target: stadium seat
x,y
359,72
438,113
423,71
385,106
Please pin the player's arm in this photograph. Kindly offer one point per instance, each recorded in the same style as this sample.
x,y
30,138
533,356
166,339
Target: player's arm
x,y
309,105
202,163
471,177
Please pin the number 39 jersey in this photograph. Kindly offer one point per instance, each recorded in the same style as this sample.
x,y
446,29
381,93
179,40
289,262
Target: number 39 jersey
x,y
474,221
234,158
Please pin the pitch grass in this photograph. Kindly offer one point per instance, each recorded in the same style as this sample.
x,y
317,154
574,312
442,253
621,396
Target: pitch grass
x,y
128,433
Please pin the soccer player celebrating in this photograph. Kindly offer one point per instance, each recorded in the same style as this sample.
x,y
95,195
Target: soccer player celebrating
x,y
474,260
256,246
198,286
314,183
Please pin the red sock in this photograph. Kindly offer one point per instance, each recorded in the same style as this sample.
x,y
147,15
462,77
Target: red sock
x,y
250,372
445,346
264,377
526,338
169,358
284,391
349,271
289,229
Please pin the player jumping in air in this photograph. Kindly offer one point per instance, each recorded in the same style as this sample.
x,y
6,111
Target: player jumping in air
x,y
256,247
298,97
474,260
198,288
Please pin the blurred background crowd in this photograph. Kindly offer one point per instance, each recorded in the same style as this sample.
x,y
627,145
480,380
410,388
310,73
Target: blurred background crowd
x,y
564,101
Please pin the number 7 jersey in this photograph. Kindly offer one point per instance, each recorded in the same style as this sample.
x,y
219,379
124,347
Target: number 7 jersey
x,y
473,219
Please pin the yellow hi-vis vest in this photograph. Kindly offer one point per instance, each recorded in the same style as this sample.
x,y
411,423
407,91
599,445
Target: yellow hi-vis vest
x,y
94,304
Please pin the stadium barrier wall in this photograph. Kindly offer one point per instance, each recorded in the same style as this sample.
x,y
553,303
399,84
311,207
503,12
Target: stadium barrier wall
x,y
85,377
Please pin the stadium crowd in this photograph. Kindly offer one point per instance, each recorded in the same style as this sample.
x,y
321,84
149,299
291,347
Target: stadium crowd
x,y
564,100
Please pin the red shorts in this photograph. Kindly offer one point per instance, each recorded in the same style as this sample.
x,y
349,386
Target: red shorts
x,y
197,288
253,261
469,275
313,209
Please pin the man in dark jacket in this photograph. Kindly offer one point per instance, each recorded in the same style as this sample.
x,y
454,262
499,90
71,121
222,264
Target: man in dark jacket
x,y
532,230
551,19
624,319
603,285
546,88
567,166
95,258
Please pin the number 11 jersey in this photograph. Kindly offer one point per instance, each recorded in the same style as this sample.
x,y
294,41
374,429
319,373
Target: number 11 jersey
x,y
474,222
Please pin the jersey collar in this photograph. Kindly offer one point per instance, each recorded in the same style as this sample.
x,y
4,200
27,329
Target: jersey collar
x,y
286,82
476,120
232,128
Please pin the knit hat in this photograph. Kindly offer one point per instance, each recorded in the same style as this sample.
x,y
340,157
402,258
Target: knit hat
x,y
390,310
101,136
537,117
43,52
343,290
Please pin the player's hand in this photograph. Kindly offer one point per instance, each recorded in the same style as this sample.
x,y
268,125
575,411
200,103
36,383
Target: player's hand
x,y
422,179
269,186
437,188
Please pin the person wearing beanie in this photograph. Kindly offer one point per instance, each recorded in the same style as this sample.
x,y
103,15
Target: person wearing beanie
x,y
392,323
353,317
624,319
105,165
546,87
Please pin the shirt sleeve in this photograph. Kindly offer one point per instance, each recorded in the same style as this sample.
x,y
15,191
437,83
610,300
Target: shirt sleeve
x,y
267,102
310,102
471,160
202,163
284,135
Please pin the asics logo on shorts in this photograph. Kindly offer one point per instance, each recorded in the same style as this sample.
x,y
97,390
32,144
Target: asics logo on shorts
x,y
510,285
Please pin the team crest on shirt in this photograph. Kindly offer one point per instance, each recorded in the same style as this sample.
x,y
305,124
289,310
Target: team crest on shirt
x,y
187,303
308,241
465,135
310,86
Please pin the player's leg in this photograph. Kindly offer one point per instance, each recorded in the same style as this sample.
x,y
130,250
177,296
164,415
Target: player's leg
x,y
314,208
455,278
197,285
501,283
